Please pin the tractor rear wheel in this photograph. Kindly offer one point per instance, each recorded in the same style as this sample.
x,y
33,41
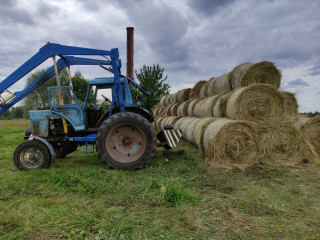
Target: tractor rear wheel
x,y
32,154
126,141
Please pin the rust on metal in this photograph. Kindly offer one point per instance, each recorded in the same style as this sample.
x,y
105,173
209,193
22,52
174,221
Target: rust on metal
x,y
125,143
130,44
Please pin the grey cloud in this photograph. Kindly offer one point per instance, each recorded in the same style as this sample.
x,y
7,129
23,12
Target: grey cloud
x,y
162,26
208,7
314,70
11,12
298,83
46,9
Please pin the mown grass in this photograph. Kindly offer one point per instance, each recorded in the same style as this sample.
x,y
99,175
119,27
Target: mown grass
x,y
178,196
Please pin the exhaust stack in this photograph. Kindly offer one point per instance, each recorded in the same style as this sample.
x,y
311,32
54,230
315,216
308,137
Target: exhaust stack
x,y
130,40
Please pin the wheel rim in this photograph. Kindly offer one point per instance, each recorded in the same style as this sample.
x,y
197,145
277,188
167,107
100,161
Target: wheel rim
x,y
125,143
31,157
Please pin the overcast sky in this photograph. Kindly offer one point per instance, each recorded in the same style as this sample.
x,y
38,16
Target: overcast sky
x,y
193,39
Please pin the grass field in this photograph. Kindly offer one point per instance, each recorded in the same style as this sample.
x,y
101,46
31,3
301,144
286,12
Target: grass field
x,y
178,196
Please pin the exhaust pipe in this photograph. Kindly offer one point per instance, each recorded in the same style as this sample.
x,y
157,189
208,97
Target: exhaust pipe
x,y
130,40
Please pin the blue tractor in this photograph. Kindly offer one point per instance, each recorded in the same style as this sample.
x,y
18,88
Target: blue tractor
x,y
123,133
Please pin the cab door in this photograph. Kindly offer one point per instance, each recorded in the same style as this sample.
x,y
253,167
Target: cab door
x,y
63,101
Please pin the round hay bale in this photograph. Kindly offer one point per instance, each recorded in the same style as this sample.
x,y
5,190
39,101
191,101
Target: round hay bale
x,y
259,103
157,123
154,110
203,90
174,98
162,100
166,121
162,111
290,104
167,111
183,95
199,129
210,89
310,128
205,107
219,109
191,106
184,126
230,143
173,120
251,73
195,91
174,109
190,131
167,100
222,85
285,145
177,123
183,108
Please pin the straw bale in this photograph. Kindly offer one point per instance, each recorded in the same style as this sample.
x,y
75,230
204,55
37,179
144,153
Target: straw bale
x,y
183,108
251,73
155,110
157,123
310,128
184,125
192,105
290,104
222,85
190,131
219,109
285,145
162,111
210,89
167,100
162,100
203,90
174,109
166,112
177,124
174,98
230,143
206,107
183,95
199,129
259,103
195,91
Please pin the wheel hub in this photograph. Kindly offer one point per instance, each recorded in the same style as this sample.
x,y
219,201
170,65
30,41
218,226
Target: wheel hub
x,y
31,157
125,143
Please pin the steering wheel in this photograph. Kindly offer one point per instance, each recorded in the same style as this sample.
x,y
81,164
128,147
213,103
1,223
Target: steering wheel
x,y
105,98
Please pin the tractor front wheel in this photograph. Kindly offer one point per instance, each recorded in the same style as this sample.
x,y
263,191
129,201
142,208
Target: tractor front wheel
x,y
126,141
32,154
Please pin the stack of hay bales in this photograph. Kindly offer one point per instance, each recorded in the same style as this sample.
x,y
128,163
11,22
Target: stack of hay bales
x,y
241,117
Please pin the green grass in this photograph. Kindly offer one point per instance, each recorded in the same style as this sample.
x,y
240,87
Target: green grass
x,y
178,196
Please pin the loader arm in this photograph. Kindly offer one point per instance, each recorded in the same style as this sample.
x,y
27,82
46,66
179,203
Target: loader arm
x,y
51,50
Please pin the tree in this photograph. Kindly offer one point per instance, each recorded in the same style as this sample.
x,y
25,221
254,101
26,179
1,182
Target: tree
x,y
38,99
151,78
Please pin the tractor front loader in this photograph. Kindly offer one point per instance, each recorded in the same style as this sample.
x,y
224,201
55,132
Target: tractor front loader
x,y
123,134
